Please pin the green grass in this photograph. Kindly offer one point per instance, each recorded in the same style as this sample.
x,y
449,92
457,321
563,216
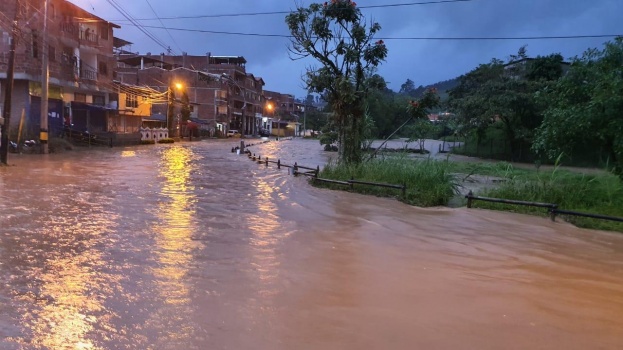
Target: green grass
x,y
428,182
595,193
431,183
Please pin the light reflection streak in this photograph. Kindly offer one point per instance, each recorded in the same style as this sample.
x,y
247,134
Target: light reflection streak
x,y
128,154
265,228
174,231
70,295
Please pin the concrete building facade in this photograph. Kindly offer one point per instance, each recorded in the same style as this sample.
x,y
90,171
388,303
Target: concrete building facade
x,y
79,47
222,95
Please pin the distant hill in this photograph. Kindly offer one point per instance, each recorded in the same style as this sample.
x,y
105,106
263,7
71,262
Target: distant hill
x,y
442,88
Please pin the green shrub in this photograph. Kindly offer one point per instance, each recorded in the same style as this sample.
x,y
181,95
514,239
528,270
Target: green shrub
x,y
428,182
167,140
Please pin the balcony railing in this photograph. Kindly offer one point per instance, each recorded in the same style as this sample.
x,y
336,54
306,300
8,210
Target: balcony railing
x,y
88,74
89,36
70,28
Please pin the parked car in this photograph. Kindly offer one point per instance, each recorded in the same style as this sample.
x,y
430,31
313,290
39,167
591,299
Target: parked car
x,y
264,132
233,133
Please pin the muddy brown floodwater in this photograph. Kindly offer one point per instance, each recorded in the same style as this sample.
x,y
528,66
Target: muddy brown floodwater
x,y
189,246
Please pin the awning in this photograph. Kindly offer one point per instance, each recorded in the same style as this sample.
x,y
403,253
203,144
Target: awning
x,y
158,117
90,107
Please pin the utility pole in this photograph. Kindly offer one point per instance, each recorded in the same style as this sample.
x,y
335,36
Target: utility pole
x,y
45,76
304,118
4,141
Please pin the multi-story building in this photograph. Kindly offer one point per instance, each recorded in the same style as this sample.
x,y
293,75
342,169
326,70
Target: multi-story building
x,y
286,114
79,46
221,93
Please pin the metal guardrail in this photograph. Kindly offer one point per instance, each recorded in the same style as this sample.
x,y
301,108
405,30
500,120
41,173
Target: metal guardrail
x,y
552,208
587,215
311,172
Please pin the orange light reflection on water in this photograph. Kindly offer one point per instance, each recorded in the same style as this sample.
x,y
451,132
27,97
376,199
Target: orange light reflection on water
x,y
174,231
264,227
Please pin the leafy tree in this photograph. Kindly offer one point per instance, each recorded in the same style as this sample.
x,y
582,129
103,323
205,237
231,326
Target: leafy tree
x,y
335,35
408,88
502,96
387,110
316,120
585,106
417,110
420,130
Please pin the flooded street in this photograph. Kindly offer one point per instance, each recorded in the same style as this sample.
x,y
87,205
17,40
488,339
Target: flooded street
x,y
189,246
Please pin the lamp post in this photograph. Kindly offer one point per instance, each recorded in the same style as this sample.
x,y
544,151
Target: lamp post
x,y
170,107
271,108
179,87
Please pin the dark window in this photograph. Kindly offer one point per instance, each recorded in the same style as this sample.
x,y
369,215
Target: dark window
x,y
51,53
131,101
35,44
78,97
99,100
103,68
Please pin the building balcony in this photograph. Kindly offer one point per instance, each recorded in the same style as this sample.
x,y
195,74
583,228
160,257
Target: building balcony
x,y
70,30
88,74
89,37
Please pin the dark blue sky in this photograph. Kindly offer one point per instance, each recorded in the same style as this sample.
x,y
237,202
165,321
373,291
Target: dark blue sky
x,y
423,61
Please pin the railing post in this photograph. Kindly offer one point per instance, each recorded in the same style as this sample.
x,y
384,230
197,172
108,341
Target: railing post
x,y
295,169
351,185
317,171
278,163
469,197
404,190
552,212
266,159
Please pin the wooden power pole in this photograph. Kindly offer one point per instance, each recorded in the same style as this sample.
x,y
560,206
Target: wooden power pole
x,y
4,141
45,77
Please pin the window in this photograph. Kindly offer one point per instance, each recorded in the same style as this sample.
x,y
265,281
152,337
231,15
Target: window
x,y
51,53
103,68
99,100
78,97
131,101
35,44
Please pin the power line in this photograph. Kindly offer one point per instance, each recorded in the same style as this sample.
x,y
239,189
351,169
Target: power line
x,y
552,37
129,17
154,11
287,12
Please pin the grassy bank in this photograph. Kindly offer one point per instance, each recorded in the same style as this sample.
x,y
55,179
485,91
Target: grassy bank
x,y
428,182
596,192
432,183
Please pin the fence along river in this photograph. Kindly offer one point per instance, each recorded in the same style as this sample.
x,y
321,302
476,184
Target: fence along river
x,y
190,246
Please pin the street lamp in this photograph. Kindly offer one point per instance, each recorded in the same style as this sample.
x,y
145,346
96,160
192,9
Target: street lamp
x,y
170,106
271,108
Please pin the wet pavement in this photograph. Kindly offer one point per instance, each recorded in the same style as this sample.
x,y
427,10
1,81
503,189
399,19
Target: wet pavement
x,y
189,246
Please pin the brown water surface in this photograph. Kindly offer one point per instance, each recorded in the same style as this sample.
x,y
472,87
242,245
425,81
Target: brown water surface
x,y
189,246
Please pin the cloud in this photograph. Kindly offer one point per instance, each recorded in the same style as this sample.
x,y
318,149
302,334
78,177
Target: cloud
x,y
424,61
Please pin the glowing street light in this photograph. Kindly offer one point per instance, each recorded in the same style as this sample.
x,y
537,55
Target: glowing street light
x,y
170,102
